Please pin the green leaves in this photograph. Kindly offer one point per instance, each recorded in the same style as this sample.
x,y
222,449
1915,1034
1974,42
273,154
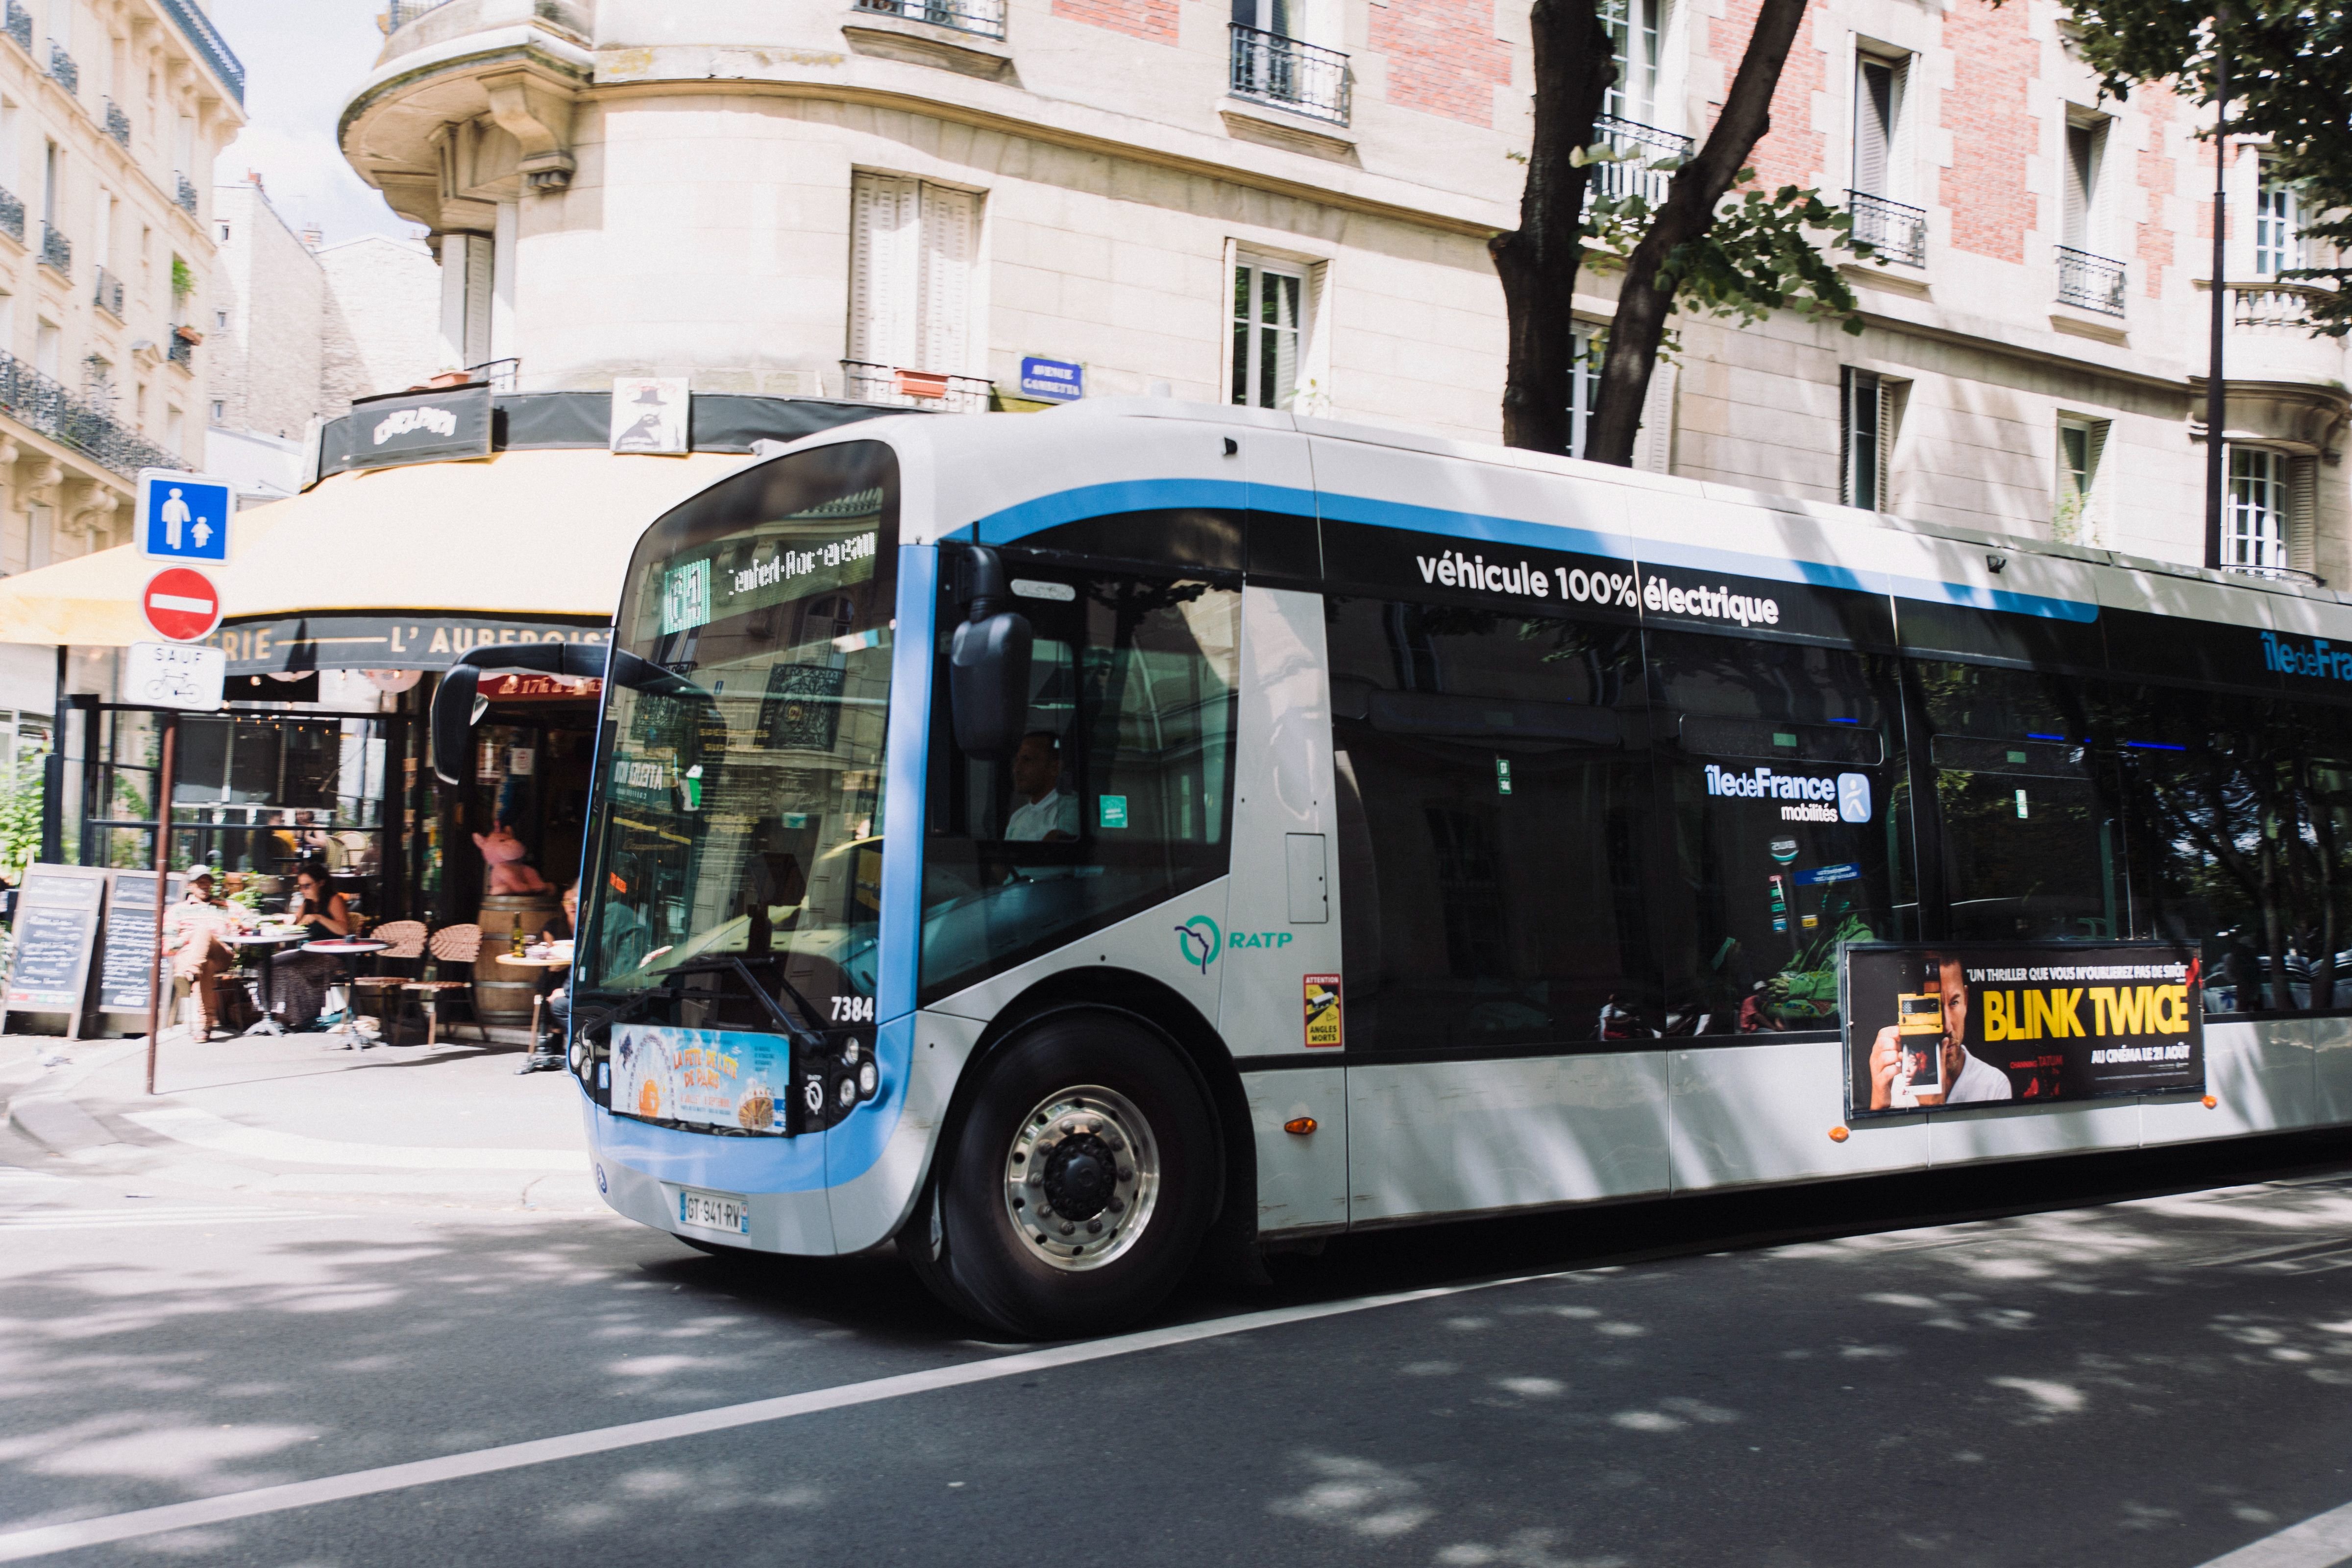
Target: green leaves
x,y
1764,252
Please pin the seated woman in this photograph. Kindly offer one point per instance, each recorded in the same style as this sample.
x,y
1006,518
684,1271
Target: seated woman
x,y
301,978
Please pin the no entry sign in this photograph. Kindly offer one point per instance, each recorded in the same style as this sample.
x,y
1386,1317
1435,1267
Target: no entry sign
x,y
181,603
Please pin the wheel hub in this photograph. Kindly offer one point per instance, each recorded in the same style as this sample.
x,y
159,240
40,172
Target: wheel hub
x,y
1081,1177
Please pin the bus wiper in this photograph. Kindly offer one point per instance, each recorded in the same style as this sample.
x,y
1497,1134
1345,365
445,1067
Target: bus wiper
x,y
805,1031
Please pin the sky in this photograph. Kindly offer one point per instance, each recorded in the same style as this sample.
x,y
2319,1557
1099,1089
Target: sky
x,y
302,58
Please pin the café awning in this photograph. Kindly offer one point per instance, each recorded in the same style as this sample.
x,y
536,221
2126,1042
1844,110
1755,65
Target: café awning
x,y
523,535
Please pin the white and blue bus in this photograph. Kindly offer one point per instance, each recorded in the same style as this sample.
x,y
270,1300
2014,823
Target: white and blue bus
x,y
1060,843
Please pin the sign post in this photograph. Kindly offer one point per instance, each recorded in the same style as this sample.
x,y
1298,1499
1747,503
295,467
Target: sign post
x,y
163,888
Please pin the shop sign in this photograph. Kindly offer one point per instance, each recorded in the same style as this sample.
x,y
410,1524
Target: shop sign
x,y
386,642
414,427
516,686
650,413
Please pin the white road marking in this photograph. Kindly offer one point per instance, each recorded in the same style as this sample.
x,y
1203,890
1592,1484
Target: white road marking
x,y
2320,1542
133,1219
189,1124
17,1545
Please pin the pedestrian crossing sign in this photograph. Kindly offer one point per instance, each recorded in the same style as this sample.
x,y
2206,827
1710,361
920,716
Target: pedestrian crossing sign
x,y
182,516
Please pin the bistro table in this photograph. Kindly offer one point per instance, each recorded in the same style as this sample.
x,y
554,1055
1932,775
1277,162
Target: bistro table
x,y
269,1024
346,948
540,1059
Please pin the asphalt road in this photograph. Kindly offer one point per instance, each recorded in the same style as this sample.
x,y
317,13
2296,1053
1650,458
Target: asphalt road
x,y
1914,1372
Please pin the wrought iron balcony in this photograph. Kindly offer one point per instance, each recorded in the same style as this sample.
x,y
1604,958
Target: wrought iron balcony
x,y
400,13
1897,231
1638,146
108,296
179,350
57,251
503,374
62,69
210,46
916,388
2090,282
33,399
984,18
12,217
19,26
187,194
117,124
1306,78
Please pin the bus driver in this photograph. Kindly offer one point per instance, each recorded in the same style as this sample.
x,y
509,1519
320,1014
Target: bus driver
x,y
1970,1077
1048,814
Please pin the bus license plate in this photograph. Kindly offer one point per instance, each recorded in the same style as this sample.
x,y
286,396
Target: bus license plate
x,y
714,1211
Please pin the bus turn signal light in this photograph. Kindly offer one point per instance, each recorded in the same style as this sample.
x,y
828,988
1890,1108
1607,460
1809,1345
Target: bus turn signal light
x,y
1838,1134
1299,1125
2211,1102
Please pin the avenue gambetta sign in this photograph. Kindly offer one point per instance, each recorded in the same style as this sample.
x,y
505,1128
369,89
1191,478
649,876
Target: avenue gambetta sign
x,y
1982,1024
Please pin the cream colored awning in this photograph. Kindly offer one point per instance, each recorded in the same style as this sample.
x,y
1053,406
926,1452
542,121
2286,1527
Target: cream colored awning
x,y
523,533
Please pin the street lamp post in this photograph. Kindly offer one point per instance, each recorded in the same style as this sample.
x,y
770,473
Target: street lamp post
x,y
2216,398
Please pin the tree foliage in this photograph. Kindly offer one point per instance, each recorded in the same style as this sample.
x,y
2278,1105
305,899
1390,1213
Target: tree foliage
x,y
1764,252
2289,63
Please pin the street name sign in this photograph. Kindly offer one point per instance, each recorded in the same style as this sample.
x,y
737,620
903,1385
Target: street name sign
x,y
181,603
184,517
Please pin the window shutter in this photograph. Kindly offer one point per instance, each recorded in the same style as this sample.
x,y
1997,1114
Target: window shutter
x,y
884,271
2082,152
1886,443
947,246
1653,439
2091,526
478,298
1874,125
2302,514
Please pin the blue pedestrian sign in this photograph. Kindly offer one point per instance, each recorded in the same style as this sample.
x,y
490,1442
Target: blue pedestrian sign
x,y
1056,381
184,517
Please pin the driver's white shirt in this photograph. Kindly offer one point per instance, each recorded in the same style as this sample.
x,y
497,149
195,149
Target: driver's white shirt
x,y
1979,1080
1030,822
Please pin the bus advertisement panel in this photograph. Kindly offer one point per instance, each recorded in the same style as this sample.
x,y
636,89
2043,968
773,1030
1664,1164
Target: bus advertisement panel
x,y
1982,1023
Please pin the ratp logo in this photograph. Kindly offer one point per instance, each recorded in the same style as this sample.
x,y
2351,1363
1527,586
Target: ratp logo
x,y
1200,942
1854,796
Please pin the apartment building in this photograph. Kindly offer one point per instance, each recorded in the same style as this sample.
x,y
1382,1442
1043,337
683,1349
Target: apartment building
x,y
297,328
1286,203
110,114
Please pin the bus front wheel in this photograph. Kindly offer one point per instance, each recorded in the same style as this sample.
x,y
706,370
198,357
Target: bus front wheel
x,y
1080,1183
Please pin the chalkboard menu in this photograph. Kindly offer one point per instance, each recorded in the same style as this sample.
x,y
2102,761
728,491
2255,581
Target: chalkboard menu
x,y
128,960
56,934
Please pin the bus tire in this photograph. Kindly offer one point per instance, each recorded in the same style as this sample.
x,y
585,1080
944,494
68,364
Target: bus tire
x,y
1081,1180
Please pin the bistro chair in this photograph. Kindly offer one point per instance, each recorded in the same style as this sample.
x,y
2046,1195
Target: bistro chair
x,y
450,944
371,992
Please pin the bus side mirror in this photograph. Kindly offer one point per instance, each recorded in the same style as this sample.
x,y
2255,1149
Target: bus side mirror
x,y
988,664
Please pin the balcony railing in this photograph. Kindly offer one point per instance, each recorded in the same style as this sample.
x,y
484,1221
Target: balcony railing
x,y
2090,282
57,251
1638,146
916,388
179,350
33,399
19,26
117,124
984,18
1897,231
12,217
1306,78
2274,307
108,296
210,46
62,69
187,194
503,374
401,12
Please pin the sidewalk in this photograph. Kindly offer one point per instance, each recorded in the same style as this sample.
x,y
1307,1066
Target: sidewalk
x,y
286,1117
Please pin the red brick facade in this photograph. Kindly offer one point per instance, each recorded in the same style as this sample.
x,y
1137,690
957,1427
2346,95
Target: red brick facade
x,y
1443,56
1153,21
1989,111
1792,151
2159,176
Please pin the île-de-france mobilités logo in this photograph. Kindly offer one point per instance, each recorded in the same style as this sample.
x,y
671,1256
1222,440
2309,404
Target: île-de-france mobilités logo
x,y
1200,942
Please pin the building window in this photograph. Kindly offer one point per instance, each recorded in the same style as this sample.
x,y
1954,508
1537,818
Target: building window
x,y
1868,421
2086,147
910,278
47,343
220,410
1877,119
224,234
2074,517
1270,303
1583,386
1633,41
172,429
220,320
2278,244
2255,530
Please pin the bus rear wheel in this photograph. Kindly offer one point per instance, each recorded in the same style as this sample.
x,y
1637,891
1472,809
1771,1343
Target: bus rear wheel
x,y
1080,1183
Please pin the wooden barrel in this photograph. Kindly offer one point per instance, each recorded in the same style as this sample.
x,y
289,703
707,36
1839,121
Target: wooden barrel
x,y
503,991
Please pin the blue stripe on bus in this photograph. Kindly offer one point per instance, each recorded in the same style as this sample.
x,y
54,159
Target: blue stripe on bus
x,y
1014,522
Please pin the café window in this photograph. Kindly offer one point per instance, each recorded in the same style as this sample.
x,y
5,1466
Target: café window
x,y
1494,801
1789,819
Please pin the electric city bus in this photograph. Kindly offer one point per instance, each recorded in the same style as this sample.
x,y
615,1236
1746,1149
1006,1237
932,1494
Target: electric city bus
x,y
1061,844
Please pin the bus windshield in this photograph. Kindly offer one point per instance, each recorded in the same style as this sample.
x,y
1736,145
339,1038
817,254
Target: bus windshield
x,y
740,828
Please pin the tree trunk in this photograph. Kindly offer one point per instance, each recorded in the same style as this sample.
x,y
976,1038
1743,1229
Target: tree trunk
x,y
1688,213
1538,261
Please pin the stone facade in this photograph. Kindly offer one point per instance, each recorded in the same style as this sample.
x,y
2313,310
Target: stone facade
x,y
630,187
383,321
